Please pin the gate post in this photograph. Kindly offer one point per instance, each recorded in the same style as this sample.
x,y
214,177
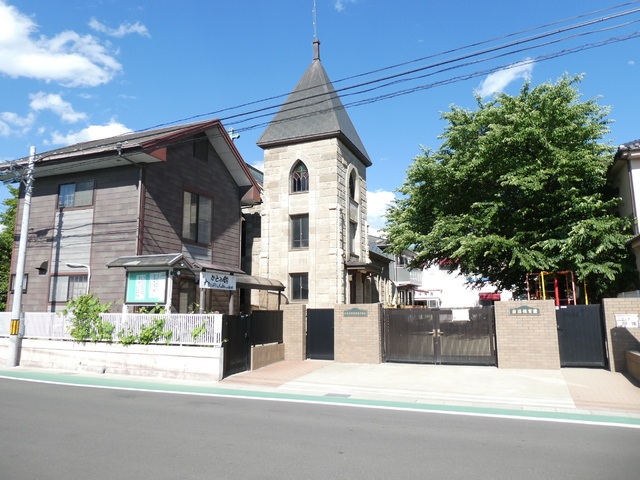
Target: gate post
x,y
620,338
527,334
358,333
294,325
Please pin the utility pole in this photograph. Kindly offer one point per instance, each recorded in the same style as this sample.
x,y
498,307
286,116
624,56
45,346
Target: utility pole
x,y
13,355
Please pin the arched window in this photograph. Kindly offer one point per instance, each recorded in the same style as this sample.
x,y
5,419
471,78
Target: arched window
x,y
300,178
352,186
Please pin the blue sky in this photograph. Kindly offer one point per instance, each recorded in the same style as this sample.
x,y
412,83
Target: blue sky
x,y
84,69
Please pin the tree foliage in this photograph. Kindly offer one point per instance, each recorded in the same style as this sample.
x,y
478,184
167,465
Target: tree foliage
x,y
8,222
519,185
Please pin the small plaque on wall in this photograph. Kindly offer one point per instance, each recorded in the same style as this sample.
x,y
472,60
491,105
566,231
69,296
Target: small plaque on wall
x,y
524,310
627,320
356,312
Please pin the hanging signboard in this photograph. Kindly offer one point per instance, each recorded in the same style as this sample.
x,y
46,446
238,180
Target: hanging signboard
x,y
146,287
217,281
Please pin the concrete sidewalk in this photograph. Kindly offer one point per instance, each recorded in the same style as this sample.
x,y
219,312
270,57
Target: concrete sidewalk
x,y
585,391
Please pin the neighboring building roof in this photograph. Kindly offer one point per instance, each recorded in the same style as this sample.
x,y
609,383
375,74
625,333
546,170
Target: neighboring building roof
x,y
376,250
144,261
632,144
311,112
257,174
140,147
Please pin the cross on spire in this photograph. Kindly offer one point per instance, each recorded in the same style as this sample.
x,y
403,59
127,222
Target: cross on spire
x,y
232,134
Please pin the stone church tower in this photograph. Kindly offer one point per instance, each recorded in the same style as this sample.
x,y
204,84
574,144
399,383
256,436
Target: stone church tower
x,y
313,218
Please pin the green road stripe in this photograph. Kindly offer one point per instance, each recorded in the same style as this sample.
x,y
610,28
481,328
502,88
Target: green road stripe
x,y
106,382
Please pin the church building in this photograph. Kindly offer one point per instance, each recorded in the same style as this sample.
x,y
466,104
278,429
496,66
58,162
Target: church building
x,y
310,231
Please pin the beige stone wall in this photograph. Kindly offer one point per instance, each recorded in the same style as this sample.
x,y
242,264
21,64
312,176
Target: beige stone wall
x,y
358,339
263,355
620,339
527,341
294,332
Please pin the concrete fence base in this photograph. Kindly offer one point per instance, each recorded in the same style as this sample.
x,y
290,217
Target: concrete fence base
x,y
165,361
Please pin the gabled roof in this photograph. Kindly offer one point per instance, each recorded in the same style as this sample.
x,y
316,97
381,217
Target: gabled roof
x,y
137,148
313,111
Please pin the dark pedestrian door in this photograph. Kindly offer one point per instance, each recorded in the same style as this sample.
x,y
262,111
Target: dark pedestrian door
x,y
581,336
320,333
237,350
454,337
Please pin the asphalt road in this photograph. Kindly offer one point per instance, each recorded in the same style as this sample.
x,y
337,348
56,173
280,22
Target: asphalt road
x,y
63,432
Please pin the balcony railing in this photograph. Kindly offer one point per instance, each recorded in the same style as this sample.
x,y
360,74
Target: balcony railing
x,y
403,274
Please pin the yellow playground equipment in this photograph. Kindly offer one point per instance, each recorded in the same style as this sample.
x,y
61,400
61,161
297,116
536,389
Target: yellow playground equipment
x,y
557,286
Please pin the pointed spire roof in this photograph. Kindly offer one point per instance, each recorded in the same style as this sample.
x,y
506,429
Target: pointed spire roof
x,y
313,111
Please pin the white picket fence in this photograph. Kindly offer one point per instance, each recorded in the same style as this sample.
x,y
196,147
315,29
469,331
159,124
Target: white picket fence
x,y
53,326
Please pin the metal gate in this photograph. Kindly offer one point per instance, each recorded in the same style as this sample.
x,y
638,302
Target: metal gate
x,y
320,333
454,337
581,336
237,350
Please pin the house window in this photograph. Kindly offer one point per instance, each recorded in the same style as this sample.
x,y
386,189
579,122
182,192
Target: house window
x,y
25,281
196,218
201,146
300,231
300,178
78,194
300,286
67,287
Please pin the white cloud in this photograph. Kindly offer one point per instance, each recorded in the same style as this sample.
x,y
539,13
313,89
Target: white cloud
x,y
121,31
498,81
340,4
55,103
17,120
631,62
377,203
93,132
12,123
67,58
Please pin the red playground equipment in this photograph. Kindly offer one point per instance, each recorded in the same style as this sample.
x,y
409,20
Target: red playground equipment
x,y
557,286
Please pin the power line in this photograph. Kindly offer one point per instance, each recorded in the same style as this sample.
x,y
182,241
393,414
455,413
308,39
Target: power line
x,y
448,81
397,77
217,112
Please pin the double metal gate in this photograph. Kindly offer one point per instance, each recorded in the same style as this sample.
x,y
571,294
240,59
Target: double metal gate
x,y
460,337
581,336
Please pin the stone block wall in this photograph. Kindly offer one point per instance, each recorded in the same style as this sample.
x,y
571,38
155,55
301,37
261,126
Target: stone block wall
x,y
525,340
358,339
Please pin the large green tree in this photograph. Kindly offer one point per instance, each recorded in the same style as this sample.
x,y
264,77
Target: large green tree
x,y
8,222
519,185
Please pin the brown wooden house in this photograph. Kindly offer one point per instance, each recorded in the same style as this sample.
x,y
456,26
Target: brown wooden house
x,y
164,204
